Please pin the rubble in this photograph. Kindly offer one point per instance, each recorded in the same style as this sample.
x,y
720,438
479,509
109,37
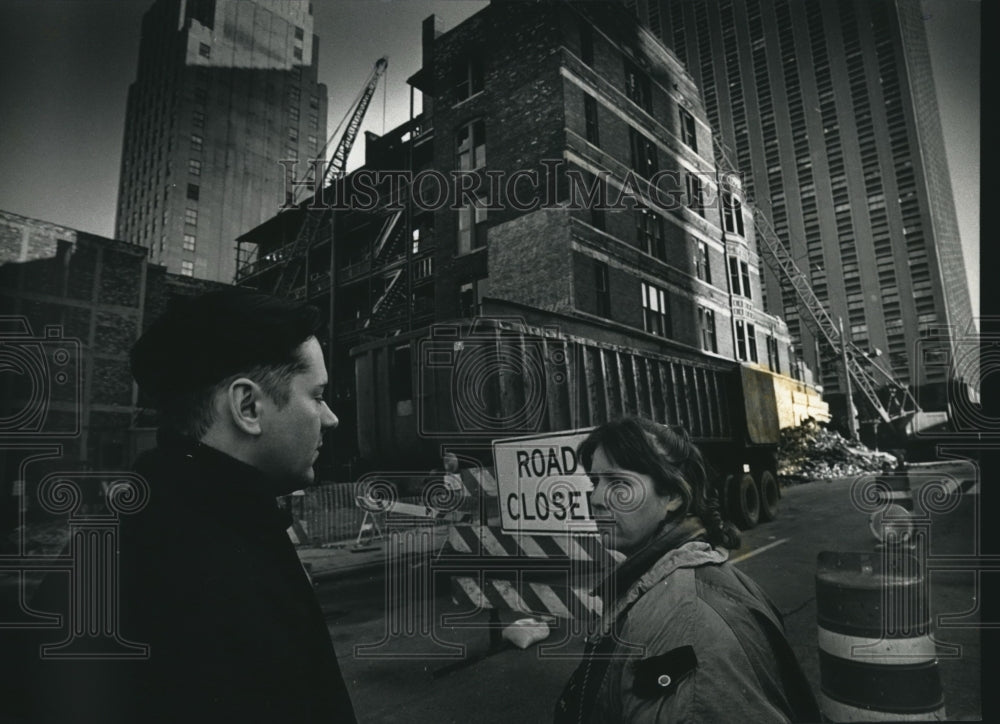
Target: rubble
x,y
813,452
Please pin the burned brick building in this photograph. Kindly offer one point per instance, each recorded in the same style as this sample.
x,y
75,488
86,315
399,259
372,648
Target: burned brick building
x,y
561,172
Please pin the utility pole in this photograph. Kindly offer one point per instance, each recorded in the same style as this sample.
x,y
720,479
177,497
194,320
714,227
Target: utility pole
x,y
852,423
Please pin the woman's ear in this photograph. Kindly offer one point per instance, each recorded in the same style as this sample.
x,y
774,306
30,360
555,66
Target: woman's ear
x,y
243,405
674,503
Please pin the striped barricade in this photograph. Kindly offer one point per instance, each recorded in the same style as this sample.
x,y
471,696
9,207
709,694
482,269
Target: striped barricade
x,y
547,575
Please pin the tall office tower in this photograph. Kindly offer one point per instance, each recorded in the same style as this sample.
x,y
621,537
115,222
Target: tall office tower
x,y
225,89
828,109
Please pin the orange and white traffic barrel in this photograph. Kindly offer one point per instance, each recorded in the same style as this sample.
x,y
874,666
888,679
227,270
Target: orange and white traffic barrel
x,y
877,658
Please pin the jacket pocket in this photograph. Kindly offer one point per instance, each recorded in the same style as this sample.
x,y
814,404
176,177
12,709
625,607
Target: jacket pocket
x,y
659,676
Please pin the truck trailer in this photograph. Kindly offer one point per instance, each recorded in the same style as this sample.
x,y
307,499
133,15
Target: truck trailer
x,y
459,386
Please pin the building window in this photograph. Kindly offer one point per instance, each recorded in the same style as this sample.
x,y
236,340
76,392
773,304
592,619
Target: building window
x,y
314,102
469,78
702,264
637,87
586,43
694,193
423,268
644,160
293,134
193,192
204,50
196,142
741,340
649,226
687,129
200,95
293,114
297,53
189,242
194,167
745,278
706,326
299,33
602,288
198,119
471,145
191,216
590,118
655,316
752,342
773,361
739,277
732,213
472,227
187,268
467,300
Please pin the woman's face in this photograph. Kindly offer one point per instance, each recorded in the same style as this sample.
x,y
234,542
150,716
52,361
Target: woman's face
x,y
626,503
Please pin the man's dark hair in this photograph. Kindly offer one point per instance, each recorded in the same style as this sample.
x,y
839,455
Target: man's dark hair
x,y
202,344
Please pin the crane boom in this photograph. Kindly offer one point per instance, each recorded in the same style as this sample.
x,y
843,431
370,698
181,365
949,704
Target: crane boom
x,y
295,255
901,401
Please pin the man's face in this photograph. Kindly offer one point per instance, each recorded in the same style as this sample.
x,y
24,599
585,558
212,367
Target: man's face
x,y
292,435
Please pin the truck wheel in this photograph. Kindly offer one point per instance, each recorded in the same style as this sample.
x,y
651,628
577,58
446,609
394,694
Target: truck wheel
x,y
745,508
769,495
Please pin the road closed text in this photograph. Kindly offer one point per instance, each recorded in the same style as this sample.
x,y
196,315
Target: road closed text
x,y
543,487
559,504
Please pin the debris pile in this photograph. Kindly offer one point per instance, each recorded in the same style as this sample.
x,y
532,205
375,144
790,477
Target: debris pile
x,y
812,452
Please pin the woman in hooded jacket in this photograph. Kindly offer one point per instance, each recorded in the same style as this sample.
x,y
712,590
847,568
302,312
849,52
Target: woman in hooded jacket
x,y
684,636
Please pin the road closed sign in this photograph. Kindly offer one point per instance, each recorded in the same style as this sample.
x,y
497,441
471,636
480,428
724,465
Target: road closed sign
x,y
542,486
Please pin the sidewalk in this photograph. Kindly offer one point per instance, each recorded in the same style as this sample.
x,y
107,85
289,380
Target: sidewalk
x,y
338,560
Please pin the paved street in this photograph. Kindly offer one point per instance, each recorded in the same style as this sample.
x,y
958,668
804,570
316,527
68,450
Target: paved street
x,y
402,674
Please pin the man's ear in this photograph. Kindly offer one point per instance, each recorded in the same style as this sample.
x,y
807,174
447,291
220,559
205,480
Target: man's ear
x,y
243,405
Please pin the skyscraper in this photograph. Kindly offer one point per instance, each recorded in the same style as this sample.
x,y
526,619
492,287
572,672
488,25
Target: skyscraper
x,y
828,109
224,90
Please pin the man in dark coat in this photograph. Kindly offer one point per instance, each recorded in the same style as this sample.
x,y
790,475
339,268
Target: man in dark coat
x,y
209,579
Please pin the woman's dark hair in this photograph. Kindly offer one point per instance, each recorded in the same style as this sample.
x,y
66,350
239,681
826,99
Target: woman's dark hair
x,y
667,455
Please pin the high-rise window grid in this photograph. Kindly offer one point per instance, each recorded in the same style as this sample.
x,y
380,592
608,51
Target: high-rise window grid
x,y
737,102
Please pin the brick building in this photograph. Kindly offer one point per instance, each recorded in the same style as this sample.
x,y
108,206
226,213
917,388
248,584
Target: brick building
x,y
72,304
527,110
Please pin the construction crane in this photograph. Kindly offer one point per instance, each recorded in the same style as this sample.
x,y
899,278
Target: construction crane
x,y
867,377
294,254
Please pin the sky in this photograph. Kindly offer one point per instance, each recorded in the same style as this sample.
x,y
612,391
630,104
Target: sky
x,y
65,68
